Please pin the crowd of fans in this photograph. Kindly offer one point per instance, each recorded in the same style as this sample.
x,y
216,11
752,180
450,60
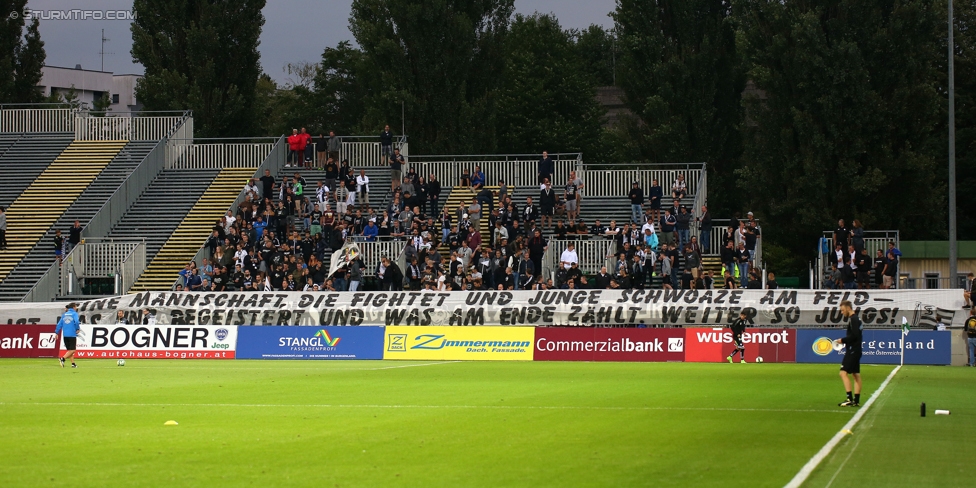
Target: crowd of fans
x,y
282,235
853,267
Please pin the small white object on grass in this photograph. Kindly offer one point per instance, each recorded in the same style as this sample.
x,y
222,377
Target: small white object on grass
x,y
942,412
171,422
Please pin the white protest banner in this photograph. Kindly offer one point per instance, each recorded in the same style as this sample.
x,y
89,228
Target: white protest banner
x,y
779,308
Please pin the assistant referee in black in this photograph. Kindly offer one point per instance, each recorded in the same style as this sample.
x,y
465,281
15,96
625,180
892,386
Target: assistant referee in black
x,y
852,356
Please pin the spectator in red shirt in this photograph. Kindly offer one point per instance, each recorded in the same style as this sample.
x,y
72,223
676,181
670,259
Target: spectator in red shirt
x,y
306,148
295,148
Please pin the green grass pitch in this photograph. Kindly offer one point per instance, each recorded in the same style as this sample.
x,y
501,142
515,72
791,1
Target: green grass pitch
x,y
477,424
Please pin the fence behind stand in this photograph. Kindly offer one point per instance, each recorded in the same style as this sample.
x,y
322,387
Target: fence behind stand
x,y
37,120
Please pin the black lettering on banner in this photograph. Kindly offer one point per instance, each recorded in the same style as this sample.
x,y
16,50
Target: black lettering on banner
x,y
235,300
113,337
139,300
99,337
793,315
161,339
203,317
181,333
190,299
691,315
199,335
140,337
305,301
251,300
670,315
265,299
283,317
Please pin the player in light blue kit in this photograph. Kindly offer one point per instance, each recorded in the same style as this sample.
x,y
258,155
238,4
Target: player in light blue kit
x,y
68,323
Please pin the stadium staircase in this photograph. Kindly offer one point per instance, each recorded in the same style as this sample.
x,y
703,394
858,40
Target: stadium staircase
x,y
46,199
40,257
191,234
461,195
30,154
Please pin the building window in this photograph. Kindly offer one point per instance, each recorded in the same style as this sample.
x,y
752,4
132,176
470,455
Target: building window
x,y
932,281
115,98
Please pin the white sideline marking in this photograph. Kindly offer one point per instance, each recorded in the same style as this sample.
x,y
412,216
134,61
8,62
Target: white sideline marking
x,y
491,407
812,464
410,365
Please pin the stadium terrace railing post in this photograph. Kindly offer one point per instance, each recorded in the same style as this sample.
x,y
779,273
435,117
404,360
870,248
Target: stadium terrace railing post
x,y
13,120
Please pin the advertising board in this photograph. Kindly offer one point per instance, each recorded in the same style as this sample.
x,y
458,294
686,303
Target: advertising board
x,y
879,346
284,342
712,345
28,341
155,342
461,343
605,344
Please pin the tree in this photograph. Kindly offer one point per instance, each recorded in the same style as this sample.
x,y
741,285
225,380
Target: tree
x,y
101,105
681,75
547,100
21,55
340,92
200,55
964,14
441,59
598,48
849,125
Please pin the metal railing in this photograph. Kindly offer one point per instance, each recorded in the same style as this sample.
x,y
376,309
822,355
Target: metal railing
x,y
372,252
718,234
609,181
515,173
187,154
131,268
103,258
119,127
874,240
37,119
47,287
593,254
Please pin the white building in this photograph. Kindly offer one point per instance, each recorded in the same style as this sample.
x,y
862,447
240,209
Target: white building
x,y
90,85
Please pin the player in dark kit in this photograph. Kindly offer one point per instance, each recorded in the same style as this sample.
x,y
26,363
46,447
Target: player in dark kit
x,y
738,326
852,356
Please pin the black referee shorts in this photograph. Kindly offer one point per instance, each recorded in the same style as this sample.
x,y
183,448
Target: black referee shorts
x,y
69,343
851,363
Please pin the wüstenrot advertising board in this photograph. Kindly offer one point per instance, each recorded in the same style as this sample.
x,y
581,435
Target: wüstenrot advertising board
x,y
459,343
713,345
156,342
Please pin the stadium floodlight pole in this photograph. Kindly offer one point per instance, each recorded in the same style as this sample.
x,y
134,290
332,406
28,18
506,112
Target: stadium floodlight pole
x,y
953,249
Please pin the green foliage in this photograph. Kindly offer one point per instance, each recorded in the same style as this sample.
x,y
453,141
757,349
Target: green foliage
x,y
598,48
682,78
339,93
101,105
547,101
200,55
964,14
848,128
69,98
441,58
21,55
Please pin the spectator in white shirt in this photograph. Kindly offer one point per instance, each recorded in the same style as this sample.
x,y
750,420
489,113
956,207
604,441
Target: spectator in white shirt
x,y
362,186
569,256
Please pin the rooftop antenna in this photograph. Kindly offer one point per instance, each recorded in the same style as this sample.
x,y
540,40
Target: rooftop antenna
x,y
102,52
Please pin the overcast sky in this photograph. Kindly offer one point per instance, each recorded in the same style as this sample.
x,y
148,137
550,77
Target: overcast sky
x,y
294,30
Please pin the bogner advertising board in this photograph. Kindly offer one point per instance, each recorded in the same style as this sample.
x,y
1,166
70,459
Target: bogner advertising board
x,y
602,344
459,343
262,342
28,341
155,342
715,344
